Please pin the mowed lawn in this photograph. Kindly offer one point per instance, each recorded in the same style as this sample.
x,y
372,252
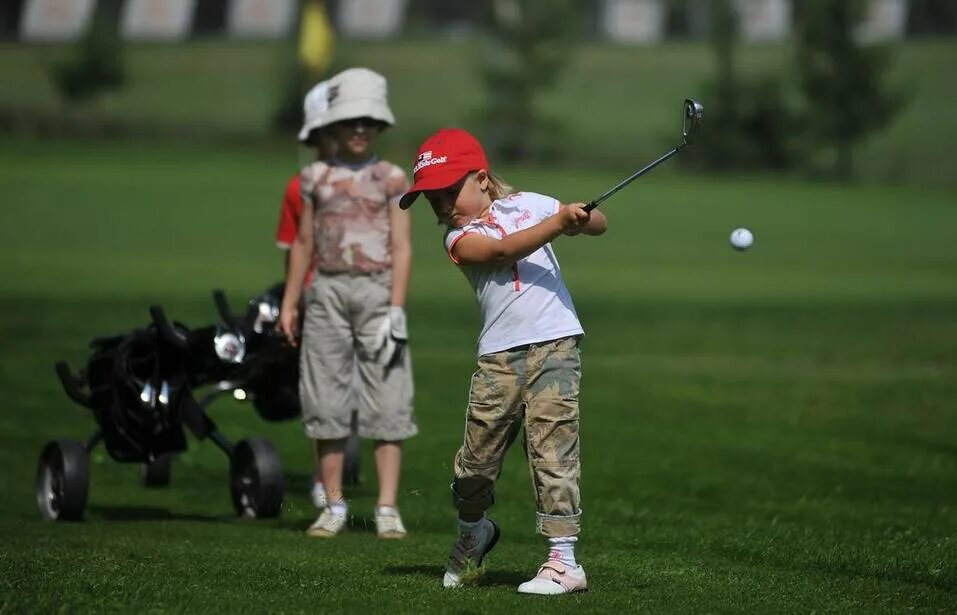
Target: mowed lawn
x,y
770,431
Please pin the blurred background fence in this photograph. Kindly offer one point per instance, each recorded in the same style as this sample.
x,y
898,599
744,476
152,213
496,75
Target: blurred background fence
x,y
830,88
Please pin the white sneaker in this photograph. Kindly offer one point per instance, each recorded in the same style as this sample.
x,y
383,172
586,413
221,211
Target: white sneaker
x,y
327,525
318,494
554,577
469,551
388,523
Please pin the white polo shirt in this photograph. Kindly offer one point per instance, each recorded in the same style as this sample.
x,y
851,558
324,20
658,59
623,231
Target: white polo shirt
x,y
527,302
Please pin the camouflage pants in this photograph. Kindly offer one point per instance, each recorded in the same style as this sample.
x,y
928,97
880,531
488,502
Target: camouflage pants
x,y
535,387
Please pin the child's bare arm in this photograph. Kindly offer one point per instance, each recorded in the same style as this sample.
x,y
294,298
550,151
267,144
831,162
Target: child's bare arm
x,y
401,237
300,255
477,249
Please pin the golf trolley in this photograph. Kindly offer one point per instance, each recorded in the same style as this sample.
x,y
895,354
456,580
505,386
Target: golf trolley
x,y
140,389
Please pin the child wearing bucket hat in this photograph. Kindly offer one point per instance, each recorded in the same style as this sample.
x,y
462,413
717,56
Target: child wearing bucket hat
x,y
358,239
323,148
528,360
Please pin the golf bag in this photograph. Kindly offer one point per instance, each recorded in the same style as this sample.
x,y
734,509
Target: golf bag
x,y
138,393
140,388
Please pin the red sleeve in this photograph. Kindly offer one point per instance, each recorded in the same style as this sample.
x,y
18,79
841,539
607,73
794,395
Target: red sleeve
x,y
289,215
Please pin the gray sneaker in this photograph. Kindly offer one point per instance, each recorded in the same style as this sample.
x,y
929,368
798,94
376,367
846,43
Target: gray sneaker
x,y
469,551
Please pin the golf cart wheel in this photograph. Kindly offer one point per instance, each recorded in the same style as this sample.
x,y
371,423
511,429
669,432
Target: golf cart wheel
x,y
256,480
63,480
157,473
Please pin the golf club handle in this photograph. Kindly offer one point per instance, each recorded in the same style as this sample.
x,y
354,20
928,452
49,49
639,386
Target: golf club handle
x,y
591,206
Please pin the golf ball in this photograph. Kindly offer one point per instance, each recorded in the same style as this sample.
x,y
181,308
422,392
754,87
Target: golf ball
x,y
741,238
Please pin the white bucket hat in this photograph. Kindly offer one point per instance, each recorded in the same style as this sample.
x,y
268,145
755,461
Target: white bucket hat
x,y
313,108
354,93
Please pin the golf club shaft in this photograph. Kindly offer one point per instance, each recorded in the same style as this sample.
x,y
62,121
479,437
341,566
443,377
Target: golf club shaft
x,y
598,201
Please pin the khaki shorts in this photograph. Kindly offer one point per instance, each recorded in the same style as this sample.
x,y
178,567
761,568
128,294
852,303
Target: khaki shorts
x,y
338,367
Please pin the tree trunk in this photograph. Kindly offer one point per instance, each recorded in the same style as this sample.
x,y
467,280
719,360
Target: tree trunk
x,y
844,163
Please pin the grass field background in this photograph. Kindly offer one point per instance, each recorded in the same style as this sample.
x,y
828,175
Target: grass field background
x,y
618,106
766,431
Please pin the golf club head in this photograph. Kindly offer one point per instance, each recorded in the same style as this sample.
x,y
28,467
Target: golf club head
x,y
692,113
691,119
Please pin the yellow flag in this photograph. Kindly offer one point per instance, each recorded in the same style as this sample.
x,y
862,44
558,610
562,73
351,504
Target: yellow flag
x,y
317,40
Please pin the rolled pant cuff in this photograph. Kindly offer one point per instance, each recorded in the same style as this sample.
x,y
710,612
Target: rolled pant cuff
x,y
553,526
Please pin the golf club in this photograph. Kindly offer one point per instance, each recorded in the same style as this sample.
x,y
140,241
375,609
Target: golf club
x,y
690,120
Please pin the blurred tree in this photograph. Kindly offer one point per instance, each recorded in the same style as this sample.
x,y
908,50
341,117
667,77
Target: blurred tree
x,y
719,142
528,43
10,11
749,123
932,17
449,16
209,18
842,81
98,65
678,21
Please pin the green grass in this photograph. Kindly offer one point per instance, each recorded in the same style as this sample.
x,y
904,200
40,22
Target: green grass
x,y
765,431
617,105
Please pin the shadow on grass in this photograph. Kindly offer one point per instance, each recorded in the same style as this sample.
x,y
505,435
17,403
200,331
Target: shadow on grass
x,y
490,578
147,513
416,570
508,578
301,482
363,524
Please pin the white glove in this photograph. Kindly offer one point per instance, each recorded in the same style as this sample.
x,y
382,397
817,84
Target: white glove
x,y
392,336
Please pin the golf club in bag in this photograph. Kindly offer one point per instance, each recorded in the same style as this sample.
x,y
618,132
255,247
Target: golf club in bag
x,y
692,114
140,388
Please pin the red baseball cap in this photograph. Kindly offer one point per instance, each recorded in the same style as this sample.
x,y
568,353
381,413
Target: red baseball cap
x,y
443,159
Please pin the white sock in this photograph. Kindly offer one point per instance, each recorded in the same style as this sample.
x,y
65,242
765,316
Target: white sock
x,y
339,509
562,548
387,510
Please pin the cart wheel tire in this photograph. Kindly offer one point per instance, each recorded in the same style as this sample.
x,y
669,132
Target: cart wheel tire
x,y
63,480
256,479
158,473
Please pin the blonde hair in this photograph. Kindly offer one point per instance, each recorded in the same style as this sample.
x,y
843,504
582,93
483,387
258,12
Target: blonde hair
x,y
497,187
